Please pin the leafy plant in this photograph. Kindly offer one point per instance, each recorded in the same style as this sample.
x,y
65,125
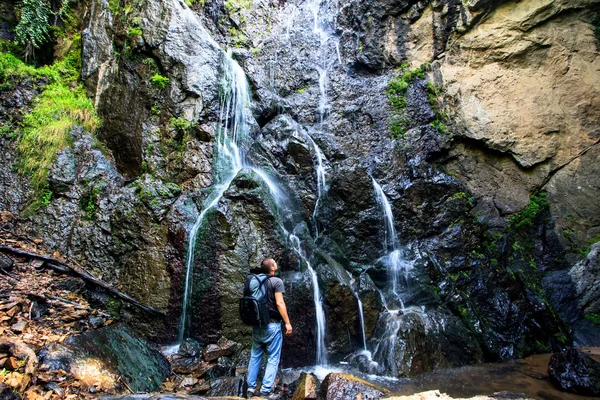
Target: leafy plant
x,y
89,203
32,29
159,81
181,125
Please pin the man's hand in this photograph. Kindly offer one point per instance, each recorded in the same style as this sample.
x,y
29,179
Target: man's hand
x,y
288,329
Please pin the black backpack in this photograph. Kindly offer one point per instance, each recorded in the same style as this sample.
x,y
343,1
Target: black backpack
x,y
255,311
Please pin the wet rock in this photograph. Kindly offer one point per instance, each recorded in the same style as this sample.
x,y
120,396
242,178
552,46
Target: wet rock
x,y
299,349
232,386
7,393
189,348
115,351
575,372
56,356
337,386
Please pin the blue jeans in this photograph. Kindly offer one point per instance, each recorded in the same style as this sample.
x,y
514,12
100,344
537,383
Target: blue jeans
x,y
268,338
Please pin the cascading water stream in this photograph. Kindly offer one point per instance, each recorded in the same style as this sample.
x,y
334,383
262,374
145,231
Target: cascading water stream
x,y
322,360
228,161
399,267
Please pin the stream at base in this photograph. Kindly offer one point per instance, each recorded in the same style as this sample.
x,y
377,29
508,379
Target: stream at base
x,y
528,376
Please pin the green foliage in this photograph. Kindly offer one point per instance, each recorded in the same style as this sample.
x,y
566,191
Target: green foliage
x,y
32,30
237,5
526,217
45,130
135,31
396,93
440,126
159,81
46,197
181,125
192,2
89,203
594,318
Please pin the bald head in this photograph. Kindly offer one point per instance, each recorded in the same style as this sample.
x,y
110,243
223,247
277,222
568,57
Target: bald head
x,y
268,266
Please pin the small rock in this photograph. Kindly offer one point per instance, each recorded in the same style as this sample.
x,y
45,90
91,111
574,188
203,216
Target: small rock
x,y
188,382
224,347
211,352
6,263
13,311
71,284
11,363
19,327
189,348
96,322
575,372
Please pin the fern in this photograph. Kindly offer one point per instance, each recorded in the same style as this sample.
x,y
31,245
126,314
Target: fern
x,y
33,27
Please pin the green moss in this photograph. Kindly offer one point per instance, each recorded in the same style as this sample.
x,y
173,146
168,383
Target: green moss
x,y
526,218
396,94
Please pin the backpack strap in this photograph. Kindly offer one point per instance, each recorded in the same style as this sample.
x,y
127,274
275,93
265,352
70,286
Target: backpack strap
x,y
260,284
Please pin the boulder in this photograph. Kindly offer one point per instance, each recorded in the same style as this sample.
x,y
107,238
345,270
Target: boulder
x,y
337,386
100,357
575,372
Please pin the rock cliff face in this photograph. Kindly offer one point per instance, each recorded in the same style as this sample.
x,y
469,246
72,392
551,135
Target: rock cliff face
x,y
491,187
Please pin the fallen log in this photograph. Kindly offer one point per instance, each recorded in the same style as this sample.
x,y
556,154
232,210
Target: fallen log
x,y
76,305
63,267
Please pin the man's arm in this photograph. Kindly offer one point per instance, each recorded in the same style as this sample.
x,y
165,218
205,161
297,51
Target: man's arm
x,y
283,312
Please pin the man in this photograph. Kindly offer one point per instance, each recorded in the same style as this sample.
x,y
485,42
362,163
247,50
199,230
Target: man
x,y
268,338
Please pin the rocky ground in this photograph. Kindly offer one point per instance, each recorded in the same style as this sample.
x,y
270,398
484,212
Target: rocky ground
x,y
47,316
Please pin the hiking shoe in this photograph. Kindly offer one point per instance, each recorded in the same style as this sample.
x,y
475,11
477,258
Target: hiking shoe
x,y
249,393
270,396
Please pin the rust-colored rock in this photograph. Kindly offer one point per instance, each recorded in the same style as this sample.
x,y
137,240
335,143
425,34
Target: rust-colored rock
x,y
11,363
308,388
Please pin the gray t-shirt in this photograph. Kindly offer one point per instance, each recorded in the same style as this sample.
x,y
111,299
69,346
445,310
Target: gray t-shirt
x,y
275,286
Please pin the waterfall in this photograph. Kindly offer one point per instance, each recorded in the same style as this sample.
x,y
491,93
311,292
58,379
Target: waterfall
x,y
228,161
398,266
320,314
